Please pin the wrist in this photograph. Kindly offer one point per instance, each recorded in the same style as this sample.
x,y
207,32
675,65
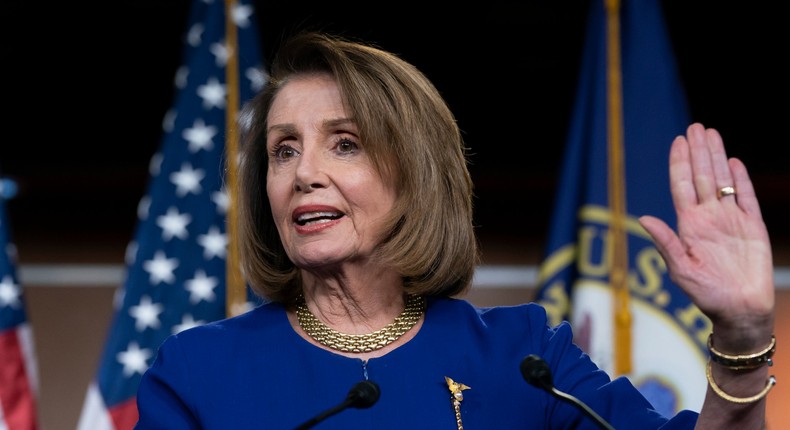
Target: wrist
x,y
749,360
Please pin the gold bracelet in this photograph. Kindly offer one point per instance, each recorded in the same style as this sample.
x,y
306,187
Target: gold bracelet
x,y
740,400
738,362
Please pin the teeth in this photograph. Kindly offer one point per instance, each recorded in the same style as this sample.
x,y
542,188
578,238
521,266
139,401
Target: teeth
x,y
308,216
318,221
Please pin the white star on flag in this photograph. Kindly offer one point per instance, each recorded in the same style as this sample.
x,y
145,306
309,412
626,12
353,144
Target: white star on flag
x,y
9,292
241,15
186,322
174,224
187,180
201,287
134,359
221,54
200,136
146,314
213,94
222,200
214,243
161,268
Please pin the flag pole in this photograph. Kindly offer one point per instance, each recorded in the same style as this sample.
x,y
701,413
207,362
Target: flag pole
x,y
619,247
235,291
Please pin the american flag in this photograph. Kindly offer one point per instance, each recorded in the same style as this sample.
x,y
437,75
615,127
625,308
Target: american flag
x,y
176,262
18,371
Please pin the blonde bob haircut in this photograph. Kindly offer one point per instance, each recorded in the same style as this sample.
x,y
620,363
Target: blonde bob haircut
x,y
413,140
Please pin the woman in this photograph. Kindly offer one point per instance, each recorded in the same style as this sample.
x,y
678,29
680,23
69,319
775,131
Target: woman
x,y
356,226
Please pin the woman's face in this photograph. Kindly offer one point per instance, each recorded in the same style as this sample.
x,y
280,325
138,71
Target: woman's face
x,y
327,200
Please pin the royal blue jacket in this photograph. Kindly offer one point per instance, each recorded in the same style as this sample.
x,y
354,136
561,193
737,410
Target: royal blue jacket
x,y
254,371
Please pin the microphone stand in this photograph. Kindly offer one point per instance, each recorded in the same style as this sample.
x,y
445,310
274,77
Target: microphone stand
x,y
362,395
583,406
324,415
536,371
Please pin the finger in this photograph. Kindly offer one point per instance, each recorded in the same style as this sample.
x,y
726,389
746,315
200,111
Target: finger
x,y
666,240
681,181
701,163
721,167
747,198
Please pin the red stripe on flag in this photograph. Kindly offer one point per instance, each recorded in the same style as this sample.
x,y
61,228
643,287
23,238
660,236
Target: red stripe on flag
x,y
16,397
124,415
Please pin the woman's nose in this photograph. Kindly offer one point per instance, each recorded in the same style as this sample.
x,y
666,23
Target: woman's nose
x,y
309,172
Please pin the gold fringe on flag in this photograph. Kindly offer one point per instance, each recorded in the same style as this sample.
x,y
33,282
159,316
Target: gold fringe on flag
x,y
617,202
235,291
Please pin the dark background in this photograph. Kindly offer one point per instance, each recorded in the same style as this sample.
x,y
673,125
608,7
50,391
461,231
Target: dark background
x,y
87,86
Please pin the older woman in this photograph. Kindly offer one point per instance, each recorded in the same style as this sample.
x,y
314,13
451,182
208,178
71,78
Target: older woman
x,y
356,226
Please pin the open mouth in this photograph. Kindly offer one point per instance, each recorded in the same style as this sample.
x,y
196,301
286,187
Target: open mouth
x,y
317,217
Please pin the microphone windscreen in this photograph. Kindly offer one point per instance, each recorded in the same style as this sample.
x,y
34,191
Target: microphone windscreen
x,y
364,394
536,371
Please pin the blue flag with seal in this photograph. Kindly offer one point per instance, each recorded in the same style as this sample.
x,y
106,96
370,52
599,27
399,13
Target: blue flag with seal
x,y
177,262
601,270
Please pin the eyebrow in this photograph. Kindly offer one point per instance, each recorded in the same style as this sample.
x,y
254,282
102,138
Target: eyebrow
x,y
282,128
339,121
291,129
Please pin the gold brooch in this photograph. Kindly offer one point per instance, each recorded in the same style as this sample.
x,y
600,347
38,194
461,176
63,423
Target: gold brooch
x,y
456,389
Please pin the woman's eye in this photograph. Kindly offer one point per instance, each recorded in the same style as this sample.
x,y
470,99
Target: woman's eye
x,y
346,145
283,152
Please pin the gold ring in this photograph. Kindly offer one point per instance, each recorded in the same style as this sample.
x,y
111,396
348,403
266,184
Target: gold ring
x,y
726,191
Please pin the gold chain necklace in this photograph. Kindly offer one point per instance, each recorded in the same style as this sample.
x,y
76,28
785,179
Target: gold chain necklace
x,y
359,343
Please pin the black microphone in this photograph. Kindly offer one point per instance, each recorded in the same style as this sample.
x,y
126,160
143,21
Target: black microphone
x,y
536,371
362,395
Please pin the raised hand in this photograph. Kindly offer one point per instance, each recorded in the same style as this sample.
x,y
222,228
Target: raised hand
x,y
721,253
